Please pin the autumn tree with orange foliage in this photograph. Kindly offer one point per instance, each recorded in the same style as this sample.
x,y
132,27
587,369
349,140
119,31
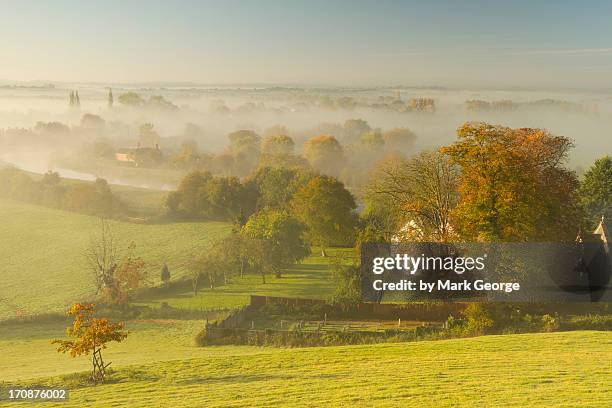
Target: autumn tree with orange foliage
x,y
513,185
91,335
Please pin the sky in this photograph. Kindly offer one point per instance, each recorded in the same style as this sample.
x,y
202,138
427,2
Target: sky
x,y
346,43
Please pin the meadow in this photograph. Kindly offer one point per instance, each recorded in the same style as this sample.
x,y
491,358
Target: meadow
x,y
44,267
553,369
43,262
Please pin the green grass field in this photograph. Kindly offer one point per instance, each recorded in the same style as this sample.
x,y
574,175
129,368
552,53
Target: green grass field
x,y
557,369
45,270
43,263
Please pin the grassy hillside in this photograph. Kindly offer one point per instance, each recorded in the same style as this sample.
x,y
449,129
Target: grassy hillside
x,y
44,267
557,369
42,253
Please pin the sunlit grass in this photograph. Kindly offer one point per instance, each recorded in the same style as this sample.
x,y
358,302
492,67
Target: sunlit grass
x,y
557,369
42,253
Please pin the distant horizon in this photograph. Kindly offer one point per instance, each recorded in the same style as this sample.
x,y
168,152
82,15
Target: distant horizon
x,y
470,44
41,83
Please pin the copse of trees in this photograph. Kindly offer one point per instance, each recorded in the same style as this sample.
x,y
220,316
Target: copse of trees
x,y
89,198
276,185
493,184
202,195
134,100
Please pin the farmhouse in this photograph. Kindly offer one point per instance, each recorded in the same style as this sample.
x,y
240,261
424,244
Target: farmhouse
x,y
140,155
597,257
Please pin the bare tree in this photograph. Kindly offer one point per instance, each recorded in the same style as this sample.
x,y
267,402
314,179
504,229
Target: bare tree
x,y
424,190
101,255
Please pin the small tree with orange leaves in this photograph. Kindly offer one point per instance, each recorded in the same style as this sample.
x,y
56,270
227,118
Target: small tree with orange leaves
x,y
91,334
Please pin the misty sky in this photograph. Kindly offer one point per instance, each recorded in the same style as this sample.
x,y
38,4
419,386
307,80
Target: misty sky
x,y
543,43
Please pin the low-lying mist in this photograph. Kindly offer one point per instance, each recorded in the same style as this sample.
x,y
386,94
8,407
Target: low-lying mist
x,y
40,126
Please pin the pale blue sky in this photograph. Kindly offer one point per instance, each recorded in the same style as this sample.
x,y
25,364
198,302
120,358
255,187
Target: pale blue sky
x,y
451,43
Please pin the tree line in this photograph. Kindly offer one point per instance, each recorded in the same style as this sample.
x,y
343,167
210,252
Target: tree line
x,y
94,198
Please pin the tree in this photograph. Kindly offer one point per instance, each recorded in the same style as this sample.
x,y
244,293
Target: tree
x,y
190,199
222,260
399,139
347,280
92,122
276,130
325,154
201,195
354,129
165,274
596,191
416,196
254,252
110,99
160,103
147,136
277,145
131,99
281,235
128,277
245,149
52,128
115,277
327,209
513,186
91,335
276,185
102,256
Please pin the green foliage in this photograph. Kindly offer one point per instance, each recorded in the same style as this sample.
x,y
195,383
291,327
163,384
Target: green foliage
x,y
201,195
245,149
324,153
347,279
131,99
274,241
354,129
327,209
89,198
479,320
596,191
276,185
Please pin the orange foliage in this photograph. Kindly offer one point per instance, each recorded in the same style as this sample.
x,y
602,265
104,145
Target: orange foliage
x,y
89,333
513,186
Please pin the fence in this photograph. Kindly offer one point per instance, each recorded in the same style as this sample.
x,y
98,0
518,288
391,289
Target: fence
x,y
409,311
